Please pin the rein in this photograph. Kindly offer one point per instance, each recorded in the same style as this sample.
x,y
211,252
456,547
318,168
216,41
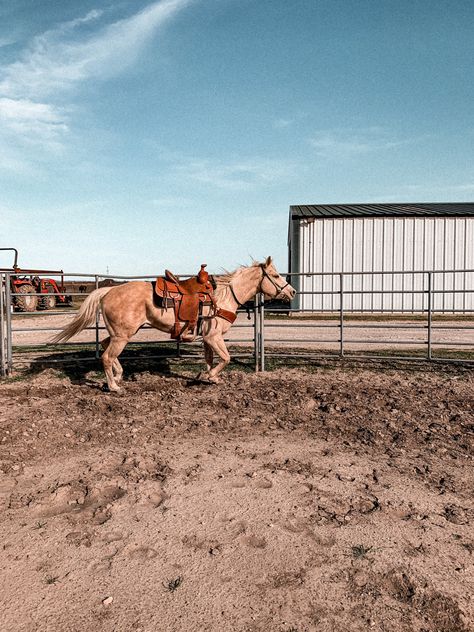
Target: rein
x,y
239,304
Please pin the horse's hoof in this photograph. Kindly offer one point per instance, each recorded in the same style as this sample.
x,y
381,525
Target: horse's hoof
x,y
214,380
106,389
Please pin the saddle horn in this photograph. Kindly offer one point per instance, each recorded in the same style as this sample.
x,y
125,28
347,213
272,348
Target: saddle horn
x,y
203,276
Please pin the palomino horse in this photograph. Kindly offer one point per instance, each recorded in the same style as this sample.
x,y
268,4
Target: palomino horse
x,y
125,308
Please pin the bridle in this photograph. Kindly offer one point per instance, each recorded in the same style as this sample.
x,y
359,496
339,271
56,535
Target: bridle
x,y
265,275
275,285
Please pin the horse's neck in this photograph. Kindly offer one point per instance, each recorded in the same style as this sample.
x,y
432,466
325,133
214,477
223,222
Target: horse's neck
x,y
245,286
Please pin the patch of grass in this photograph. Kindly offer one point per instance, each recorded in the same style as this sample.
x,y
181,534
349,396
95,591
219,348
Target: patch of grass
x,y
18,377
359,551
414,360
58,348
469,546
40,525
95,375
174,584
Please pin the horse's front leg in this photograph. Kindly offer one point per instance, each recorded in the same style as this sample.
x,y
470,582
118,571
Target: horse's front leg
x,y
216,344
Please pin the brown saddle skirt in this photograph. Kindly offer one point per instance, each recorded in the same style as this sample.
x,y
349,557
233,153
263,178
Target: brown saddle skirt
x,y
187,299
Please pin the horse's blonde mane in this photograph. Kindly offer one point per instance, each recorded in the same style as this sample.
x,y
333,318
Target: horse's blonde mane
x,y
227,277
224,280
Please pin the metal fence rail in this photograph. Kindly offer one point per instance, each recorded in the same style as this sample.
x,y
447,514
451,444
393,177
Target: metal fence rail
x,y
302,334
341,309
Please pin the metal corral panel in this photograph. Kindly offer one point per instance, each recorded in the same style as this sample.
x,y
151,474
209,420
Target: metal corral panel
x,y
392,245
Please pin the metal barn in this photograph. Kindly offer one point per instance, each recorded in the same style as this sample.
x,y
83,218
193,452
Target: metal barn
x,y
378,257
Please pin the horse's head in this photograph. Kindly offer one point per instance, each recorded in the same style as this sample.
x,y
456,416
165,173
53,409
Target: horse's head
x,y
273,285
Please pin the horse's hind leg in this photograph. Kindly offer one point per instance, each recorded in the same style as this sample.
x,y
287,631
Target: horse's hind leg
x,y
209,356
109,360
116,366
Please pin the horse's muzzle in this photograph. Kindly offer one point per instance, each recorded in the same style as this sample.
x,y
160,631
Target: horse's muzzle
x,y
286,294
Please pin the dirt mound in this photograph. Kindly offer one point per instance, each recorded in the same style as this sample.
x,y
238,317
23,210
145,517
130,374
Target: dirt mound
x,y
290,501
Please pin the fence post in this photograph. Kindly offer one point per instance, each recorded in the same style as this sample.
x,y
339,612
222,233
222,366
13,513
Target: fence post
x,y
262,331
8,317
430,310
256,334
3,359
341,314
97,354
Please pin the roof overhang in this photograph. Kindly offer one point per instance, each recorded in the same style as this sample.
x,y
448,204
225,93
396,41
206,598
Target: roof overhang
x,y
436,209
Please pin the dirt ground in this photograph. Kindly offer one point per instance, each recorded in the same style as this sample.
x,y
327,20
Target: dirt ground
x,y
298,500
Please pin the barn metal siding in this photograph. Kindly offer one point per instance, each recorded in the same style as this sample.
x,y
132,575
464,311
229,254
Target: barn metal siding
x,y
392,245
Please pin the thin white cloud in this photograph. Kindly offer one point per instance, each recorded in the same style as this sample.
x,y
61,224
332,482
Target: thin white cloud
x,y
95,14
240,175
33,88
346,143
457,192
281,123
29,131
171,201
464,187
61,58
40,120
11,161
6,41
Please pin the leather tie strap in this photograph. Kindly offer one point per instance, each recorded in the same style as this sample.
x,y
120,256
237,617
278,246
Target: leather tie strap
x,y
226,315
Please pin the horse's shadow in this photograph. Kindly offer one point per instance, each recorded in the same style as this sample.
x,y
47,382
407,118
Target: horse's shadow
x,y
83,368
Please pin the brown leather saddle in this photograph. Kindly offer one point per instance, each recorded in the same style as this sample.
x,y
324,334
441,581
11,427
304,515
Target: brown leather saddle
x,y
187,299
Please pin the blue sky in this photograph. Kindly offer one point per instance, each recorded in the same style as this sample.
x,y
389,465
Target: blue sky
x,y
124,124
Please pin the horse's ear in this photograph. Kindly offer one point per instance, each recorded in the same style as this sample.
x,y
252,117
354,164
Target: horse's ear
x,y
268,262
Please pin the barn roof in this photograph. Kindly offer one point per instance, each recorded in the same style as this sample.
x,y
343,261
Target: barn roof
x,y
464,209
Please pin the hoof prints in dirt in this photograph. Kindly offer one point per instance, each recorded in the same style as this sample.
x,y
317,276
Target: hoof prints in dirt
x,y
91,497
424,608
342,500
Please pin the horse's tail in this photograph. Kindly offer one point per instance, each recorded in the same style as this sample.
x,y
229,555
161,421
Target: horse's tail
x,y
85,317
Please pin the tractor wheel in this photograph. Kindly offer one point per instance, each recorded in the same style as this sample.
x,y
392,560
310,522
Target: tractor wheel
x,y
47,301
23,300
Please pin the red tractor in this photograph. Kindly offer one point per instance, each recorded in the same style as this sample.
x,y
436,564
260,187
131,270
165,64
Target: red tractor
x,y
31,292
